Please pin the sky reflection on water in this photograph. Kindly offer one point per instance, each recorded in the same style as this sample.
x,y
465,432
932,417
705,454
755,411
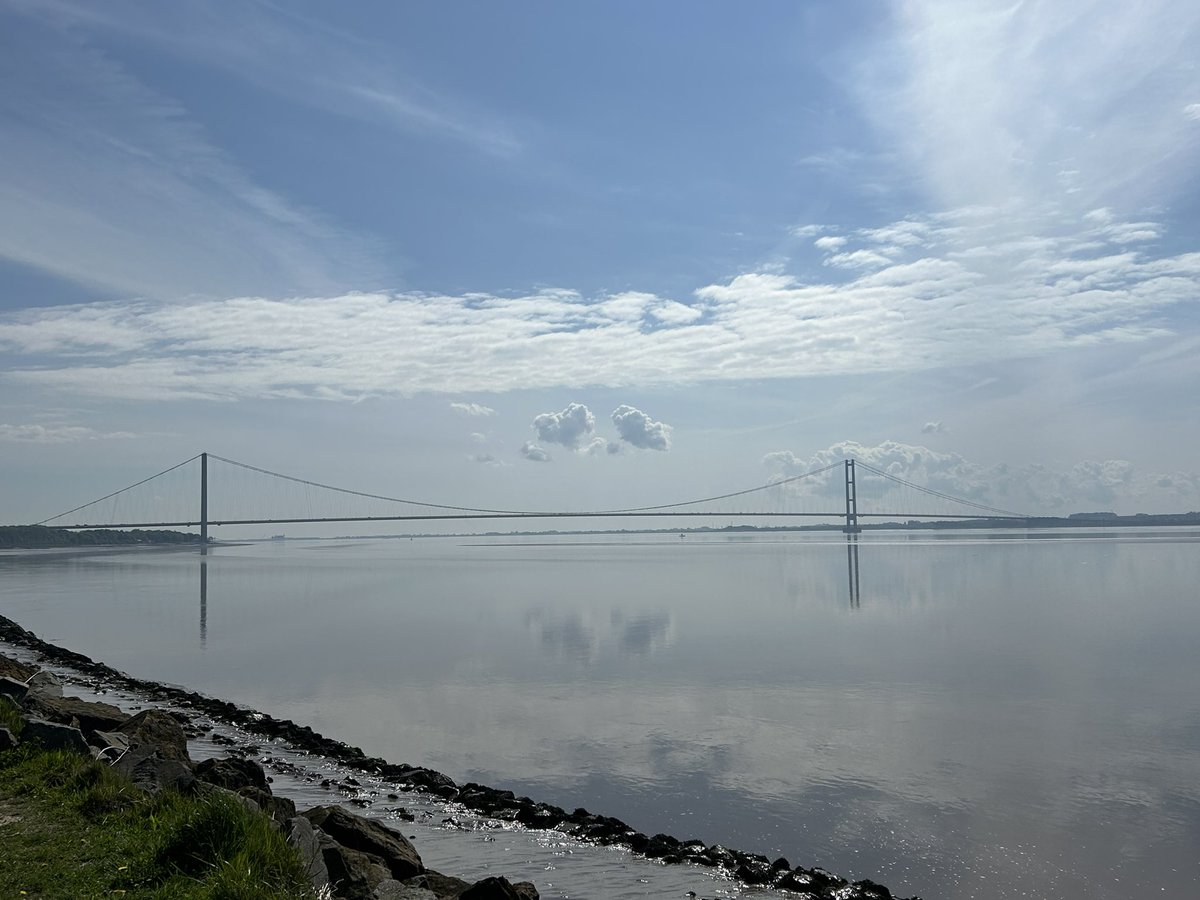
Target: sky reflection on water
x,y
991,717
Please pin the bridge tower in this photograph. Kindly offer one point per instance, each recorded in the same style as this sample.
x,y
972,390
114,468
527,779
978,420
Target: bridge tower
x,y
852,526
204,504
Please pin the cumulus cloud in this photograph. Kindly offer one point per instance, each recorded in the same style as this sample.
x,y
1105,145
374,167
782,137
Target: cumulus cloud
x,y
533,452
638,429
472,409
599,446
933,428
1192,111
571,427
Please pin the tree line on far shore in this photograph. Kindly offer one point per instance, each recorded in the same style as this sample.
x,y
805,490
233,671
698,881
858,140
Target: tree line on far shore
x,y
39,537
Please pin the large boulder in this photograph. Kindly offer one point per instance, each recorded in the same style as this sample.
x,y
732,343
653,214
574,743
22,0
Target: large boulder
x,y
368,836
233,773
353,874
151,770
499,888
438,884
86,715
391,889
155,728
16,670
44,684
13,689
7,739
54,736
304,838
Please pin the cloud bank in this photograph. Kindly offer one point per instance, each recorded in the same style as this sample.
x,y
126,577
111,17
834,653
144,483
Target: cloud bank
x,y
1033,489
937,291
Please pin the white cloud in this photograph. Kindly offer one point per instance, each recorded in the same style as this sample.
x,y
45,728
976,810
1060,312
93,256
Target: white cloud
x,y
829,242
1192,111
933,428
533,452
57,434
1032,489
971,292
991,101
638,429
857,259
570,427
472,409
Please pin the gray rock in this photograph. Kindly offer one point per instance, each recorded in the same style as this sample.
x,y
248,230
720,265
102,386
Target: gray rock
x,y
438,884
368,836
234,774
54,736
8,740
84,714
157,729
353,874
18,671
44,684
391,889
302,836
13,689
152,771
109,745
499,888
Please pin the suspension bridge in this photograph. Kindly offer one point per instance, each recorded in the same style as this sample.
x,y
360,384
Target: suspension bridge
x,y
209,491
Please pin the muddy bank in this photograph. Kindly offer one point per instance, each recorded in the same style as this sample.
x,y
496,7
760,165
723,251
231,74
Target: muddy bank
x,y
753,869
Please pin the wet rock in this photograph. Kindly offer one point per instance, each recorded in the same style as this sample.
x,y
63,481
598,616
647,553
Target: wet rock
x,y
368,836
869,890
7,739
660,846
13,689
499,888
233,774
302,836
438,884
54,736
18,671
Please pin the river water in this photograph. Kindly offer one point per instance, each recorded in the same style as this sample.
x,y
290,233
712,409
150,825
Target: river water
x,y
963,715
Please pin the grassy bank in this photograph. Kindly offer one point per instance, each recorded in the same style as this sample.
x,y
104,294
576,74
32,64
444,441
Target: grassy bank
x,y
71,828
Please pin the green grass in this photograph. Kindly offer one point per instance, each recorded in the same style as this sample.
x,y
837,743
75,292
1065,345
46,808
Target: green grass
x,y
10,716
71,828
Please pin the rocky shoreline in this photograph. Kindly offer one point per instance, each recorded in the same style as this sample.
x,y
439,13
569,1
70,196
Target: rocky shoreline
x,y
752,869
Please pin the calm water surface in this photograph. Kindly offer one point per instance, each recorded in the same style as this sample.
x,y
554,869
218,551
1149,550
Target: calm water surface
x,y
987,715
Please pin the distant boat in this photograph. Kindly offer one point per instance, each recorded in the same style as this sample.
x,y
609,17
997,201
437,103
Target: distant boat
x,y
279,537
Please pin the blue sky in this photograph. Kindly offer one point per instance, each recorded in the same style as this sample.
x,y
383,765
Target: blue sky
x,y
569,252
